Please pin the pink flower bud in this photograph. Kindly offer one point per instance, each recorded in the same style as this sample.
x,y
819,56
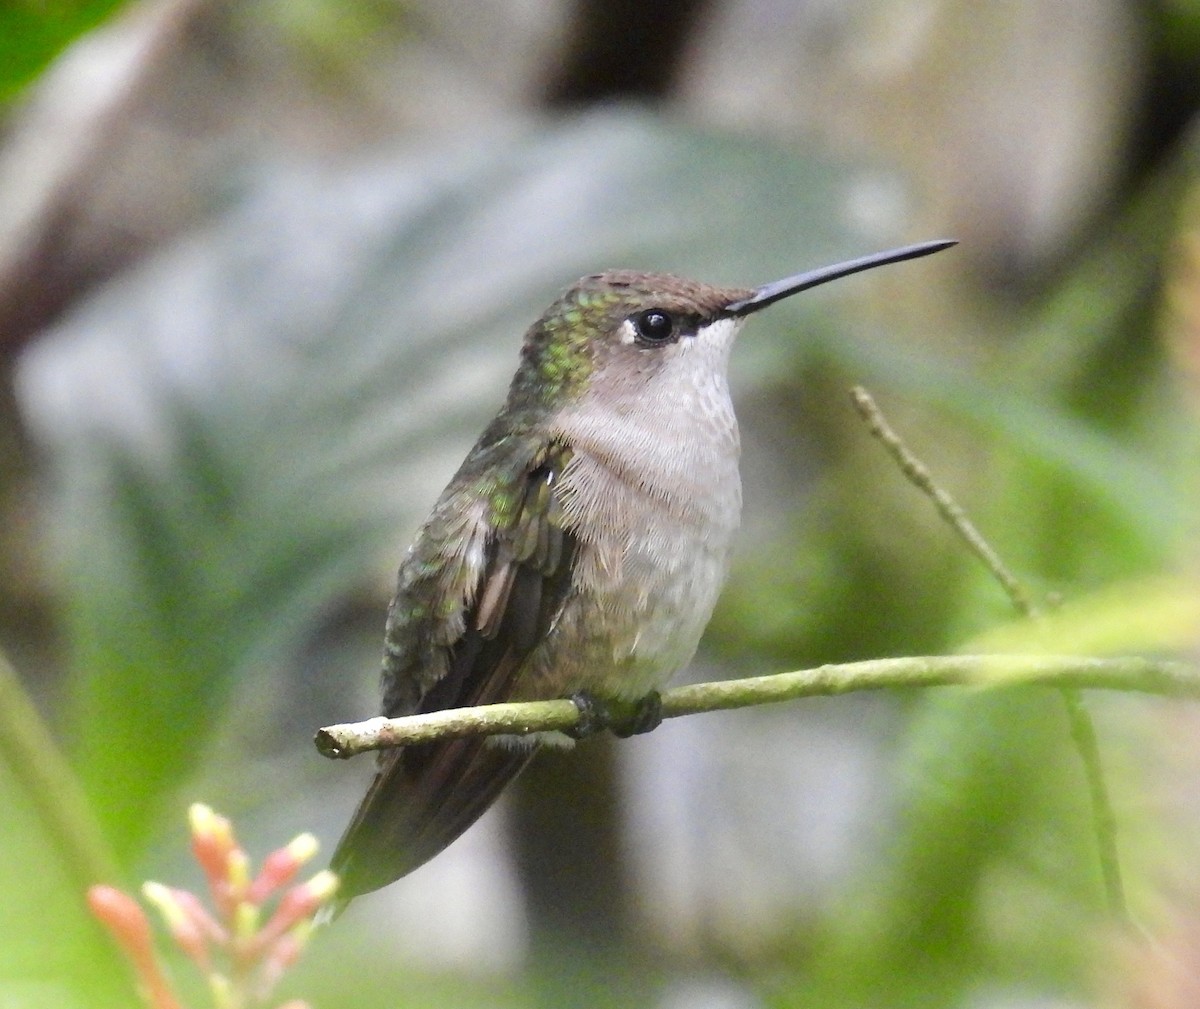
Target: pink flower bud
x,y
297,905
198,913
237,875
278,958
212,844
280,867
241,957
126,922
179,923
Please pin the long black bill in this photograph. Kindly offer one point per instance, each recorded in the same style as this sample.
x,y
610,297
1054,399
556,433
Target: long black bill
x,y
768,294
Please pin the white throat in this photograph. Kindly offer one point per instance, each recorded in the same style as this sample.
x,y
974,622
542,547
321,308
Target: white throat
x,y
670,430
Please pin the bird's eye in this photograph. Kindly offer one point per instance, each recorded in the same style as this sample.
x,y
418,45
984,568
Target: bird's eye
x,y
653,326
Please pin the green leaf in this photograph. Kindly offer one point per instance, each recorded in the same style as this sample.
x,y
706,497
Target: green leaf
x,y
1152,616
32,33
984,834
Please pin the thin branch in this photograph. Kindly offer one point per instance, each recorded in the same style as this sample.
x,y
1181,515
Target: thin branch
x,y
1083,735
1142,675
918,474
1079,721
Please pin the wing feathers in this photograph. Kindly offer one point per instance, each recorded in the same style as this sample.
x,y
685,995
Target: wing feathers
x,y
423,797
494,600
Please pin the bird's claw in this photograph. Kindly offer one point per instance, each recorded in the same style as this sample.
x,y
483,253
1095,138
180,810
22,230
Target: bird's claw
x,y
622,719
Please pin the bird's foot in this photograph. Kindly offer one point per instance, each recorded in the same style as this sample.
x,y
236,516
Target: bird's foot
x,y
622,718
647,715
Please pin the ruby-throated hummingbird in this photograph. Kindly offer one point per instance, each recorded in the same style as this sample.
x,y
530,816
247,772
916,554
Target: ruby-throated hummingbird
x,y
579,550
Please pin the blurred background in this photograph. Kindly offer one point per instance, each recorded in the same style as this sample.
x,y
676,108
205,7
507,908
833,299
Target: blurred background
x,y
264,270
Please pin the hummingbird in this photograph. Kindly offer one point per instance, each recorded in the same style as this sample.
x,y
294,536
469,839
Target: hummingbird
x,y
578,551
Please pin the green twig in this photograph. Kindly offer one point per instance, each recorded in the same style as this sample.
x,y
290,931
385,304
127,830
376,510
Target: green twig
x,y
949,509
523,718
1079,721
1083,734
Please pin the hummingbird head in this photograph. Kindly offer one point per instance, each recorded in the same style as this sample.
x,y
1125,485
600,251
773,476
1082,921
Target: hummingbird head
x,y
624,333
621,329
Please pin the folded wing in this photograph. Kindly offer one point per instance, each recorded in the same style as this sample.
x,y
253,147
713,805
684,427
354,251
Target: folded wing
x,y
439,656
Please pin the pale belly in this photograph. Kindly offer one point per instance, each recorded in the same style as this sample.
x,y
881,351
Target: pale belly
x,y
649,571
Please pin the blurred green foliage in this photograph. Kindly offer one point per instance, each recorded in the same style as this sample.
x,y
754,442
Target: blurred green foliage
x,y
52,955
238,429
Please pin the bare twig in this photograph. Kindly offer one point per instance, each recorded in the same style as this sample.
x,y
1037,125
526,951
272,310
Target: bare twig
x,y
524,718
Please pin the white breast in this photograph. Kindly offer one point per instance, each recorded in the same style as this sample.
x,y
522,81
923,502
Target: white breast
x,y
653,493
